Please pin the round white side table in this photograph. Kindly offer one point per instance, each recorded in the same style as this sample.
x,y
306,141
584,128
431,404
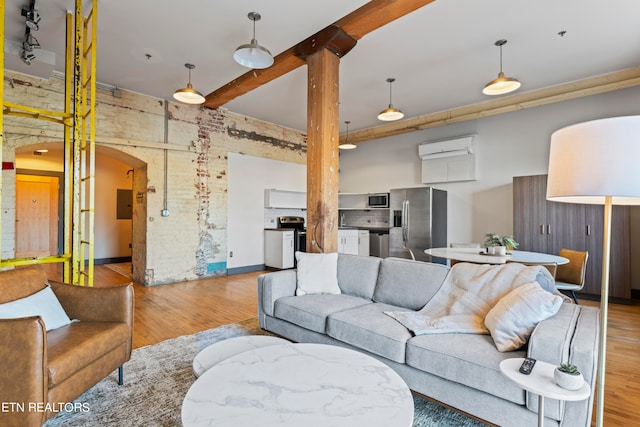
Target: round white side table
x,y
540,381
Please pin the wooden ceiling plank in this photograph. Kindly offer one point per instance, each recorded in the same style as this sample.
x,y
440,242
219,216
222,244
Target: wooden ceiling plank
x,y
357,24
563,92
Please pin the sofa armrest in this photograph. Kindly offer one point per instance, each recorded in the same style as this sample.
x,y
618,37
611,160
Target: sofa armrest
x,y
272,286
23,377
572,335
110,304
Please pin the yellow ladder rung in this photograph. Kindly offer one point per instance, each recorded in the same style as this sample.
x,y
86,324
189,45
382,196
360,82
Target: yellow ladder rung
x,y
87,114
87,50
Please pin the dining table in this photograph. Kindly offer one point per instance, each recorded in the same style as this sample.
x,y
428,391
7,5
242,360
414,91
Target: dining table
x,y
479,256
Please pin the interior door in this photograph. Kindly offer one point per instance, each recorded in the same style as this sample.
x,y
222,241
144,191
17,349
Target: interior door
x,y
36,215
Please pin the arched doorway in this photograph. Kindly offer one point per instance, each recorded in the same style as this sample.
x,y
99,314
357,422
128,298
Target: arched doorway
x,y
120,216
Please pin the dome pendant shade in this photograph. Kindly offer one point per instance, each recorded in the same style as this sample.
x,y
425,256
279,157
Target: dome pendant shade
x,y
390,113
346,145
253,55
502,84
189,95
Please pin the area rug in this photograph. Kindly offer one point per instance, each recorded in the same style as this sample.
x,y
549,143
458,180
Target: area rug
x,y
123,268
157,378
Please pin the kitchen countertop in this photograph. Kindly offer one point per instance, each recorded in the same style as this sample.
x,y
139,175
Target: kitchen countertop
x,y
358,227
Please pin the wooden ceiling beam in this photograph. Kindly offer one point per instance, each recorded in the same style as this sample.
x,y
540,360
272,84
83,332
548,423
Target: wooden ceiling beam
x,y
563,92
357,24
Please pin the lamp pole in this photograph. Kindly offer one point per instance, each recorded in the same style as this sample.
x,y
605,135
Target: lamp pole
x,y
604,308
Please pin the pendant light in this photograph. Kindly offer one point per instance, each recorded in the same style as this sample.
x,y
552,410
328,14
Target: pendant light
x,y
189,95
390,114
253,55
502,84
346,145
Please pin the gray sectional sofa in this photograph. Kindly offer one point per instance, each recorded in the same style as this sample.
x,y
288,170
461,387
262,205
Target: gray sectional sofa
x,y
460,370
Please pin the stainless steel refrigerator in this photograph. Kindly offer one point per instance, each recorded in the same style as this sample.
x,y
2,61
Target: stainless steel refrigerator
x,y
419,219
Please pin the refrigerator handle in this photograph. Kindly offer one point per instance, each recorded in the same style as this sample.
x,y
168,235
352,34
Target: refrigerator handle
x,y
404,221
407,223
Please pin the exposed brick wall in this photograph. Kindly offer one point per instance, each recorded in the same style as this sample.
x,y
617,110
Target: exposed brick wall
x,y
191,242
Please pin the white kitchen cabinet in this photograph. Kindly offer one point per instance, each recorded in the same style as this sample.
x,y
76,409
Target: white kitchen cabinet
x,y
285,199
352,201
278,248
363,242
348,241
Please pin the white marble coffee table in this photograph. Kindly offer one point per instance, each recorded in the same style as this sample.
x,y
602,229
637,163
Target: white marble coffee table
x,y
308,385
222,350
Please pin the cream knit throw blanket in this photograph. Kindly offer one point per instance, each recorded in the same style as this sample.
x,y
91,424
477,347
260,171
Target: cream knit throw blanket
x,y
467,294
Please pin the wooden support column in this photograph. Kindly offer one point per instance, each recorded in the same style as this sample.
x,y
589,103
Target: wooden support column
x,y
322,151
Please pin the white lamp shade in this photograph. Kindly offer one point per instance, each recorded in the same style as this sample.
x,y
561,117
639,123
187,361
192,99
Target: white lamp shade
x,y
591,160
253,55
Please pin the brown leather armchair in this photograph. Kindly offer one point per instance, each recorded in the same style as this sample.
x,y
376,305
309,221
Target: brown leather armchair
x,y
41,371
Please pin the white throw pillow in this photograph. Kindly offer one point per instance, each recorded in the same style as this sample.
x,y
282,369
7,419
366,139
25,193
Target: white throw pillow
x,y
512,320
317,273
43,303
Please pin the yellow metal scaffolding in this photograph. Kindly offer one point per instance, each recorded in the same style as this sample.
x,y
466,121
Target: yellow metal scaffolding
x,y
79,124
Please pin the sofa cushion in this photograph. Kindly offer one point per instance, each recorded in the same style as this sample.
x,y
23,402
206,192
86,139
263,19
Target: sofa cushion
x,y
368,328
77,345
317,273
357,275
408,284
42,303
513,318
311,311
468,359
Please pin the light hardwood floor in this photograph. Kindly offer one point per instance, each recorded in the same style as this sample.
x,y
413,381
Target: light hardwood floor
x,y
168,311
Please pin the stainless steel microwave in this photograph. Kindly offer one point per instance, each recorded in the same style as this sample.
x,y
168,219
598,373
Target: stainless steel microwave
x,y
378,200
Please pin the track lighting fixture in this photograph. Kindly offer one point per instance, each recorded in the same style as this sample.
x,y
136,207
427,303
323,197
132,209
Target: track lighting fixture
x,y
253,55
31,24
27,57
502,84
33,17
390,114
30,43
189,95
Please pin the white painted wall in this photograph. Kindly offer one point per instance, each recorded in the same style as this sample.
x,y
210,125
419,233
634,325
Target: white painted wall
x,y
112,235
508,145
248,177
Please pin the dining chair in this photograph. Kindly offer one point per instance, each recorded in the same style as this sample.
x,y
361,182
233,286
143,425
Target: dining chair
x,y
570,277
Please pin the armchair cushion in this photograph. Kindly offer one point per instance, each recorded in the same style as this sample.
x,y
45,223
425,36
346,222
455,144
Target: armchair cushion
x,y
80,344
43,303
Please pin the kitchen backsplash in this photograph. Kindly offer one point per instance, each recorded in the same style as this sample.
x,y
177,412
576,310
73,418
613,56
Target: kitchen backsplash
x,y
371,218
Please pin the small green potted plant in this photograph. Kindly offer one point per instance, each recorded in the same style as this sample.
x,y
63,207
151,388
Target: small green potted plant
x,y
495,240
568,376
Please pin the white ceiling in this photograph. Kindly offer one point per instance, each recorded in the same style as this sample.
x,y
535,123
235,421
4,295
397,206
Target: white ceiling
x,y
441,55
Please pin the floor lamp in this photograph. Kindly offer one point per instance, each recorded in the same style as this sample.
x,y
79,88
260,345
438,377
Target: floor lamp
x,y
596,162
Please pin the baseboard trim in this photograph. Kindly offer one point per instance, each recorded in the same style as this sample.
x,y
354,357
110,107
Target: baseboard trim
x,y
246,269
112,260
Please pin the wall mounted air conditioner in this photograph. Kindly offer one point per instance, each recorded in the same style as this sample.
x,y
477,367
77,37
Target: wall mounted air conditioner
x,y
448,148
448,160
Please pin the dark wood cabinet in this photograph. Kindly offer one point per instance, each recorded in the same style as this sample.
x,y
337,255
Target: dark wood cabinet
x,y
543,226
